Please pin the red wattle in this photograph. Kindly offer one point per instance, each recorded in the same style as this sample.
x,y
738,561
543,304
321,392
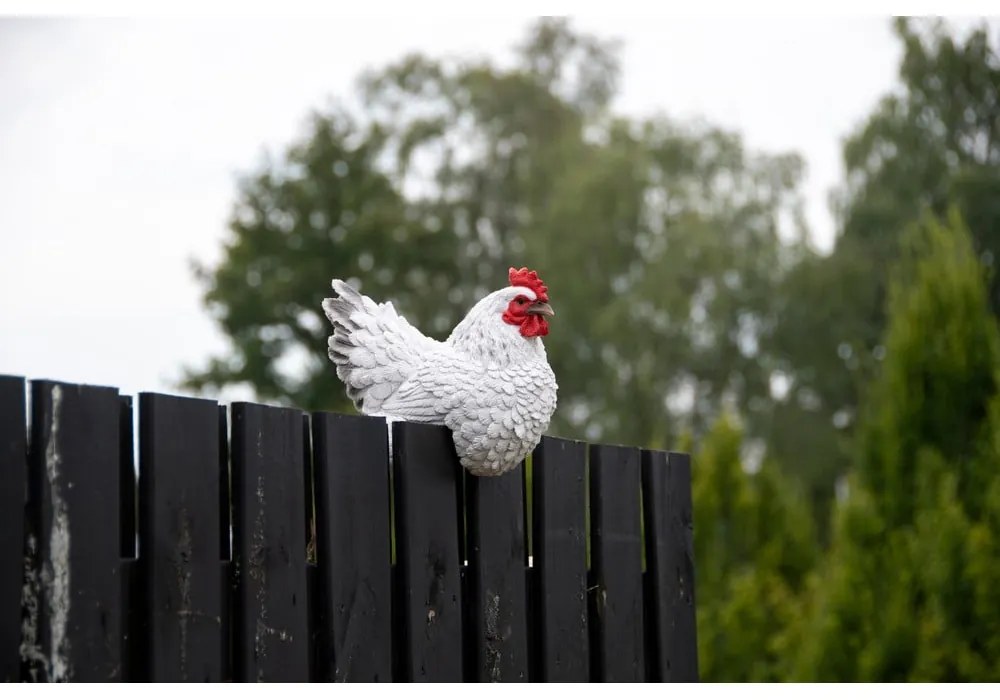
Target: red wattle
x,y
534,326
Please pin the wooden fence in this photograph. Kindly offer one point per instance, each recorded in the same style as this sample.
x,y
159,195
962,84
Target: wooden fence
x,y
257,544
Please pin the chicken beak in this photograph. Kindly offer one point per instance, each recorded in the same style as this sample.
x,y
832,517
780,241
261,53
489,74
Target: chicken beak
x,y
540,308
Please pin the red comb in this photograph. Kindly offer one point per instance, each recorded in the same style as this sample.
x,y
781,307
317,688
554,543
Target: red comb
x,y
528,278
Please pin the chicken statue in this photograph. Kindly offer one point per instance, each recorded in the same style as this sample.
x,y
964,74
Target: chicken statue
x,y
490,382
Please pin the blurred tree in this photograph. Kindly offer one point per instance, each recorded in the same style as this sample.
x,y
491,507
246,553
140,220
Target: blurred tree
x,y
932,142
755,547
908,592
661,244
326,209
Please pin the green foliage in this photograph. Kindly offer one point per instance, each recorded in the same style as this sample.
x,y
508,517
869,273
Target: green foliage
x,y
932,143
935,142
326,210
943,354
754,546
903,595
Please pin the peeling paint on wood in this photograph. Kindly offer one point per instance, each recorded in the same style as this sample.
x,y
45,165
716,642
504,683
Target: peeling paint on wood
x,y
56,572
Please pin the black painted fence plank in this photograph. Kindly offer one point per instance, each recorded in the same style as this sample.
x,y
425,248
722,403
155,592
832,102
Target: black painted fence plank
x,y
530,572
308,483
271,625
666,483
178,536
228,596
351,469
73,503
225,489
135,659
498,599
225,547
13,494
425,469
317,658
560,559
683,639
616,550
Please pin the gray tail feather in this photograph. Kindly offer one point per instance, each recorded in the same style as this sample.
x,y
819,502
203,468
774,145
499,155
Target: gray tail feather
x,y
339,309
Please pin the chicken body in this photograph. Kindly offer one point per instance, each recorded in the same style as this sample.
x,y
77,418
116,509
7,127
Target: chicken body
x,y
490,382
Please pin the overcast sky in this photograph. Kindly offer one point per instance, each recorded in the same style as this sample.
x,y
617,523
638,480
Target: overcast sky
x,y
121,141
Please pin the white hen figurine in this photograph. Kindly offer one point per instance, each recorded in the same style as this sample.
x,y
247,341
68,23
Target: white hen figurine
x,y
490,382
